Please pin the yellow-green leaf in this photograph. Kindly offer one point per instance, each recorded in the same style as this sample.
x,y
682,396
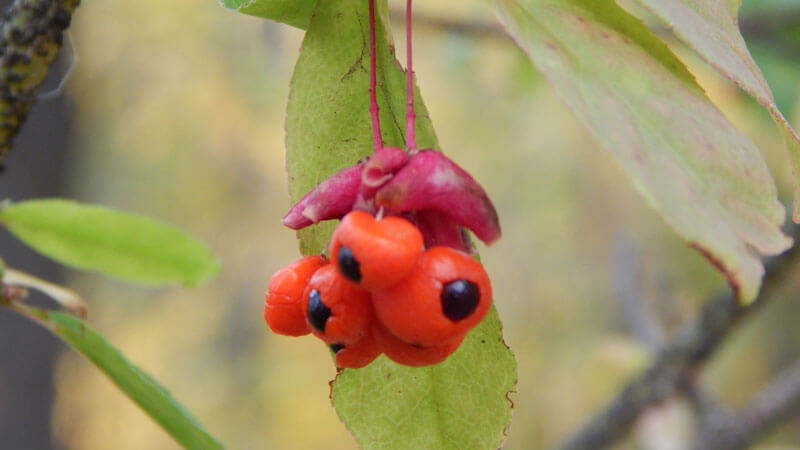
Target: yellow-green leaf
x,y
115,243
705,178
153,398
711,27
296,13
461,403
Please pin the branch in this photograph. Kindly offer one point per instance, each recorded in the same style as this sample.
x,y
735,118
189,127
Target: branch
x,y
633,306
674,366
472,28
776,403
30,37
65,298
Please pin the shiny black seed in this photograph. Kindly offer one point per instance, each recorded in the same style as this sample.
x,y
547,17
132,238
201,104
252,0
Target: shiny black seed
x,y
318,313
348,264
459,299
336,347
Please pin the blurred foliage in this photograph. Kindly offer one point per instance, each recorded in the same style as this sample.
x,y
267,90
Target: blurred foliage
x,y
180,115
138,385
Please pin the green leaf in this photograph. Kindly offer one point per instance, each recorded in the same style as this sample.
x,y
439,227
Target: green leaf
x,y
702,175
462,402
458,404
117,244
153,398
296,13
711,28
328,121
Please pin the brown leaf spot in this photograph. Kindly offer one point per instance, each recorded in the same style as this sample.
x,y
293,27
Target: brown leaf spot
x,y
638,156
730,277
508,397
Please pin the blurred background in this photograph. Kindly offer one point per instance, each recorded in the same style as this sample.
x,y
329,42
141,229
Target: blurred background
x,y
176,110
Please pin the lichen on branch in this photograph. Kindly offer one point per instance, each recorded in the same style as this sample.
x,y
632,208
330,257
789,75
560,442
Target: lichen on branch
x,y
30,37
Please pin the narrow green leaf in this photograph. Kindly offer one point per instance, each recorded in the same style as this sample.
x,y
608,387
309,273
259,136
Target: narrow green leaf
x,y
296,13
153,398
461,403
690,163
711,27
117,244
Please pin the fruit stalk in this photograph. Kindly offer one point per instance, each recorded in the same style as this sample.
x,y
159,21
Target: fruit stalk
x,y
377,139
411,138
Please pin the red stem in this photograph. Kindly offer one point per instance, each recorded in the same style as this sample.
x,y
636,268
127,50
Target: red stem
x,y
411,138
377,140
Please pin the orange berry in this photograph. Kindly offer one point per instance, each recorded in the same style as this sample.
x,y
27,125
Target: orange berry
x,y
445,295
283,310
337,312
374,253
412,355
357,355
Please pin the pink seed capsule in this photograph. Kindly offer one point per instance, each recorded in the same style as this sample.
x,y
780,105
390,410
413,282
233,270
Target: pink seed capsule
x,y
431,181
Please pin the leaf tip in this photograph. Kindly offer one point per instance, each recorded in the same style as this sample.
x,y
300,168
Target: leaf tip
x,y
209,270
745,294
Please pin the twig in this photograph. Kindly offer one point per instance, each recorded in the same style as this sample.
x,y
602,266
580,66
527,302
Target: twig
x,y
706,407
674,366
67,299
11,297
641,322
30,37
776,403
635,313
472,28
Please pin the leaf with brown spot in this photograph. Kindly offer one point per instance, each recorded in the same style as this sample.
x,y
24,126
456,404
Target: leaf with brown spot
x,y
711,28
705,178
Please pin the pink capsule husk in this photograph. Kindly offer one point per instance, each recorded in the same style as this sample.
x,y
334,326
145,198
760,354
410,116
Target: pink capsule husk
x,y
431,181
331,199
438,228
378,170
380,167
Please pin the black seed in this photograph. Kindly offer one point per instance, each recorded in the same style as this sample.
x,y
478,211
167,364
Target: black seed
x,y
459,299
336,347
348,264
318,313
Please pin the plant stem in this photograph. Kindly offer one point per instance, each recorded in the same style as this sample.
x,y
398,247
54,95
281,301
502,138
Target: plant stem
x,y
377,139
777,402
411,138
675,366
66,298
